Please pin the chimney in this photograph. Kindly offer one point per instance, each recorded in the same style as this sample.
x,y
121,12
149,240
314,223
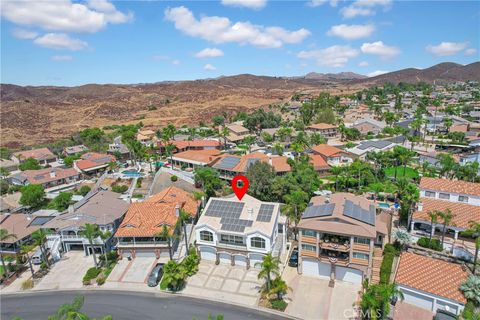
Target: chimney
x,y
53,174
270,161
420,206
177,211
250,213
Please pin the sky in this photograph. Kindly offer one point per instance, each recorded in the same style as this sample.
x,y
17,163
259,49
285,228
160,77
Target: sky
x,y
70,43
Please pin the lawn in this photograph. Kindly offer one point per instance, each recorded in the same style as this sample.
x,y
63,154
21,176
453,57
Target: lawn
x,y
409,172
1,271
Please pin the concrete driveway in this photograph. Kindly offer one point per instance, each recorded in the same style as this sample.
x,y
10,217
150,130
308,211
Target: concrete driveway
x,y
135,271
224,282
67,273
323,302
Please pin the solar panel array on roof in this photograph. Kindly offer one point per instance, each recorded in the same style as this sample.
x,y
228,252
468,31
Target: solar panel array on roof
x,y
265,212
376,144
229,213
322,210
227,163
358,213
40,221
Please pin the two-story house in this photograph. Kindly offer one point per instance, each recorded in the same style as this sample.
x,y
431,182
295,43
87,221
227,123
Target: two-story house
x,y
240,232
43,155
332,155
237,132
337,236
325,129
48,178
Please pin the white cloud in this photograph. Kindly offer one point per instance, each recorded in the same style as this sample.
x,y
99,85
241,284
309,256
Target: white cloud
x,y
60,41
380,49
364,8
160,57
252,4
318,3
334,56
363,64
209,53
24,34
377,73
209,67
221,29
351,32
470,52
62,58
176,62
447,48
63,15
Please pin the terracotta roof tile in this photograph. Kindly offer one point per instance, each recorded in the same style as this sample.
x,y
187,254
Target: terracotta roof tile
x,y
326,150
322,126
431,275
463,213
92,159
446,185
318,162
38,154
204,156
48,175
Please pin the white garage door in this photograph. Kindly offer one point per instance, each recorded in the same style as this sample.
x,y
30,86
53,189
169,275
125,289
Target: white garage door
x,y
442,305
208,253
311,267
348,275
225,258
145,254
240,260
255,259
417,300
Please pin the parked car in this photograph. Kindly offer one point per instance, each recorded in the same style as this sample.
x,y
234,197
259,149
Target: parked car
x,y
37,257
155,275
445,315
293,261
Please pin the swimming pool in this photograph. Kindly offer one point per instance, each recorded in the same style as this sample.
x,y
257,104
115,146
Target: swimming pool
x,y
131,173
383,205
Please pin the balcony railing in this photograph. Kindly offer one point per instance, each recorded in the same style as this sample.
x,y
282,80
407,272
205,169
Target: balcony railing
x,y
362,262
335,246
361,247
307,239
334,260
231,245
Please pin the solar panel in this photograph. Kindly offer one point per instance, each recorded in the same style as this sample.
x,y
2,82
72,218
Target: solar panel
x,y
322,210
40,221
358,213
227,163
232,227
229,213
265,212
377,144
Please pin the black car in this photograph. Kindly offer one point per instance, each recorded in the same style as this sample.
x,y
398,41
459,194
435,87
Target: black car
x,y
445,315
293,261
155,275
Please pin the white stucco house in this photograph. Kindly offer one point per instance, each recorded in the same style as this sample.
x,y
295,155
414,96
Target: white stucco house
x,y
240,232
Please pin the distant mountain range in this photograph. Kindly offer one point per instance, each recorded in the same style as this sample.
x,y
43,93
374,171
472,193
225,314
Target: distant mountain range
x,y
31,115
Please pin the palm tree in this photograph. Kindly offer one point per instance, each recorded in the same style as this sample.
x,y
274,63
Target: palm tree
x,y
433,219
224,133
4,235
173,275
183,218
105,235
447,217
269,266
296,202
336,171
165,234
279,288
91,231
39,237
297,147
248,142
475,227
169,152
470,289
278,148
24,250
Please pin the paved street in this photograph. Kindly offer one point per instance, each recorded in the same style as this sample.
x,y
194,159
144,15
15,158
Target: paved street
x,y
224,282
125,306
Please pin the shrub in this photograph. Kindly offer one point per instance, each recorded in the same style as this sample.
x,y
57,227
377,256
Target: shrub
x,y
92,273
139,182
27,284
434,244
191,263
137,195
43,265
119,189
101,279
112,256
278,304
173,178
84,190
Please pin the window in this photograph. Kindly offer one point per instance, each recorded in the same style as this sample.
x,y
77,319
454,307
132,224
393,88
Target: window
x,y
309,233
231,239
309,247
430,194
361,240
206,236
358,255
444,196
463,199
257,242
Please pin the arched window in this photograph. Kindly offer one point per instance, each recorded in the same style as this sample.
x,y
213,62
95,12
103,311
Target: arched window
x,y
206,236
257,242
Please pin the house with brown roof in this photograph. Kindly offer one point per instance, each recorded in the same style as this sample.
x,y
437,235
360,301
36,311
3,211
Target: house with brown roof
x,y
73,150
325,129
146,136
337,236
195,158
186,145
42,155
450,190
430,283
49,177
332,155
21,226
138,234
319,164
369,126
237,132
93,162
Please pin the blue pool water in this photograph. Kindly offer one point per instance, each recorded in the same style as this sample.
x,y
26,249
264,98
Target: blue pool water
x,y
131,173
384,205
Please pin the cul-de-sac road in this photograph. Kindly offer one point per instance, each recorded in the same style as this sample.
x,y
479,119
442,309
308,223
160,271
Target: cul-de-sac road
x,y
124,306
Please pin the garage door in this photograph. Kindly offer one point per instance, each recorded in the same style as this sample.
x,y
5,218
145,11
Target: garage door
x,y
417,299
442,305
254,259
208,253
147,254
75,247
240,260
225,258
348,275
126,253
311,267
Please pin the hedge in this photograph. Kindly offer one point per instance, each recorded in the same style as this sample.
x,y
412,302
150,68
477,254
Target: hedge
x,y
278,304
92,273
435,244
389,253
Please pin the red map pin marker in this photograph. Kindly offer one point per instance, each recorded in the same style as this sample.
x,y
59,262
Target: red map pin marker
x,y
240,186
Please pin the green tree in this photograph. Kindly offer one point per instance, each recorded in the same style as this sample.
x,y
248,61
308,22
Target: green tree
x,y
278,148
68,161
218,120
4,235
84,190
446,217
475,229
165,235
261,176
279,288
5,153
296,202
71,311
33,195
316,138
61,202
209,180
471,289
29,164
173,275
224,133
433,215
24,251
105,235
39,237
268,266
91,232
448,123
447,164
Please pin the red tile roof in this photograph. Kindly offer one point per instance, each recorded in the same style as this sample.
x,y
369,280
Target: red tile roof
x,y
322,126
38,154
48,175
318,162
461,187
432,275
326,150
91,160
204,156
463,213
193,144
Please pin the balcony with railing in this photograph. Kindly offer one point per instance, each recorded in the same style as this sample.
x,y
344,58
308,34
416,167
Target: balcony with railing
x,y
335,242
338,258
361,247
308,239
143,242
